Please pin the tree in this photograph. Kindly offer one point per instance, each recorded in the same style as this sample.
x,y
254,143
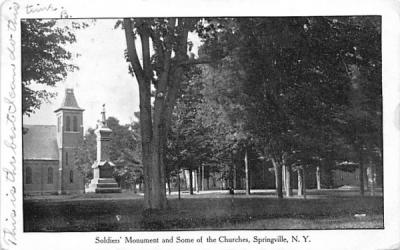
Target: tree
x,y
165,70
86,154
223,113
266,58
44,58
189,141
295,85
299,78
124,152
363,65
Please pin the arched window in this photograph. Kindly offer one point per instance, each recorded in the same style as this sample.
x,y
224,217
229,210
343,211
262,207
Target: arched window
x,y
28,175
68,123
75,124
71,176
50,175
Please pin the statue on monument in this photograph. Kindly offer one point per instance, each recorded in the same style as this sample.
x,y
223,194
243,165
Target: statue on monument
x,y
103,180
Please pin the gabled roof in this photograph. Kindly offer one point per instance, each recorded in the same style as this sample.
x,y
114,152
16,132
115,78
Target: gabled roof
x,y
69,102
40,142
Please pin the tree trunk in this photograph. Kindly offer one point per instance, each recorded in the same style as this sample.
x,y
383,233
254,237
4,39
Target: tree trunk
x,y
288,187
234,177
372,177
146,159
196,180
157,171
373,182
169,185
152,159
199,182
299,182
190,181
304,174
318,178
366,183
246,167
154,126
202,178
134,188
179,185
361,173
278,178
283,178
184,179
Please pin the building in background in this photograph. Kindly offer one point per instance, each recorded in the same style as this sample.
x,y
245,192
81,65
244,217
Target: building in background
x,y
48,152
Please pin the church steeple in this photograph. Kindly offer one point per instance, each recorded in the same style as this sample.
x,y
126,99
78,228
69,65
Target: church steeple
x,y
69,118
69,102
69,136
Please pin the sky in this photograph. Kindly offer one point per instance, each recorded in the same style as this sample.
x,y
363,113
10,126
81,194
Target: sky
x,y
102,77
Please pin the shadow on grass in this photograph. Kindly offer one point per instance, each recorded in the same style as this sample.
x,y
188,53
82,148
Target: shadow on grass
x,y
228,212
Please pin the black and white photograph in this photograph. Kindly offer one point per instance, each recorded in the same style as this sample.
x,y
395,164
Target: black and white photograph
x,y
218,131
202,123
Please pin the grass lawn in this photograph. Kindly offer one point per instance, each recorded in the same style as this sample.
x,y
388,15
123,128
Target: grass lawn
x,y
326,209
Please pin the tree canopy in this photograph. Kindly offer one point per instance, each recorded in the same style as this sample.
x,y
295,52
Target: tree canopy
x,y
299,91
303,89
44,58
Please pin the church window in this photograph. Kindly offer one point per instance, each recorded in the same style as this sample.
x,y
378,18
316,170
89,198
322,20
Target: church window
x,y
50,175
28,177
71,176
68,124
75,124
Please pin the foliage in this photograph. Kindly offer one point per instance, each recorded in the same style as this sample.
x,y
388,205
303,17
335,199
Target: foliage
x,y
311,87
44,59
299,90
124,153
85,155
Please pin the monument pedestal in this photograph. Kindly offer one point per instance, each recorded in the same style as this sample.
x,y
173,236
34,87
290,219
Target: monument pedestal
x,y
103,180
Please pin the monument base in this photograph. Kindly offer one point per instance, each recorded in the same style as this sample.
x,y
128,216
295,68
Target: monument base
x,y
103,185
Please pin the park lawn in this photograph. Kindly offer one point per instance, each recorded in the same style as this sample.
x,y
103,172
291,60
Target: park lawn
x,y
206,212
340,222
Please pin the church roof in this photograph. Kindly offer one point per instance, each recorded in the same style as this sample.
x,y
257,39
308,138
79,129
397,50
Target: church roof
x,y
40,142
69,102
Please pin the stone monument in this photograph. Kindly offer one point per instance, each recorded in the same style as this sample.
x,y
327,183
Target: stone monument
x,y
103,180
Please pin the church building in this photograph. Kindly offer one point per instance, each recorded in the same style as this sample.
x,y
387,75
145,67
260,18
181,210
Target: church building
x,y
48,152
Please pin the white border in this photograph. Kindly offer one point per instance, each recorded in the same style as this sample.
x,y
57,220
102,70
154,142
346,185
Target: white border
x,y
389,238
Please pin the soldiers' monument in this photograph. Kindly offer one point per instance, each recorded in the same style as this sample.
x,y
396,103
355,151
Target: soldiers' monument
x,y
103,180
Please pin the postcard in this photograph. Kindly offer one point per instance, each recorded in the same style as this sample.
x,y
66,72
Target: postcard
x,y
200,124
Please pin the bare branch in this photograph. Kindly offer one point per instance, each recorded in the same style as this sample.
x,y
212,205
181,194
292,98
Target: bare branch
x,y
144,33
167,57
132,53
